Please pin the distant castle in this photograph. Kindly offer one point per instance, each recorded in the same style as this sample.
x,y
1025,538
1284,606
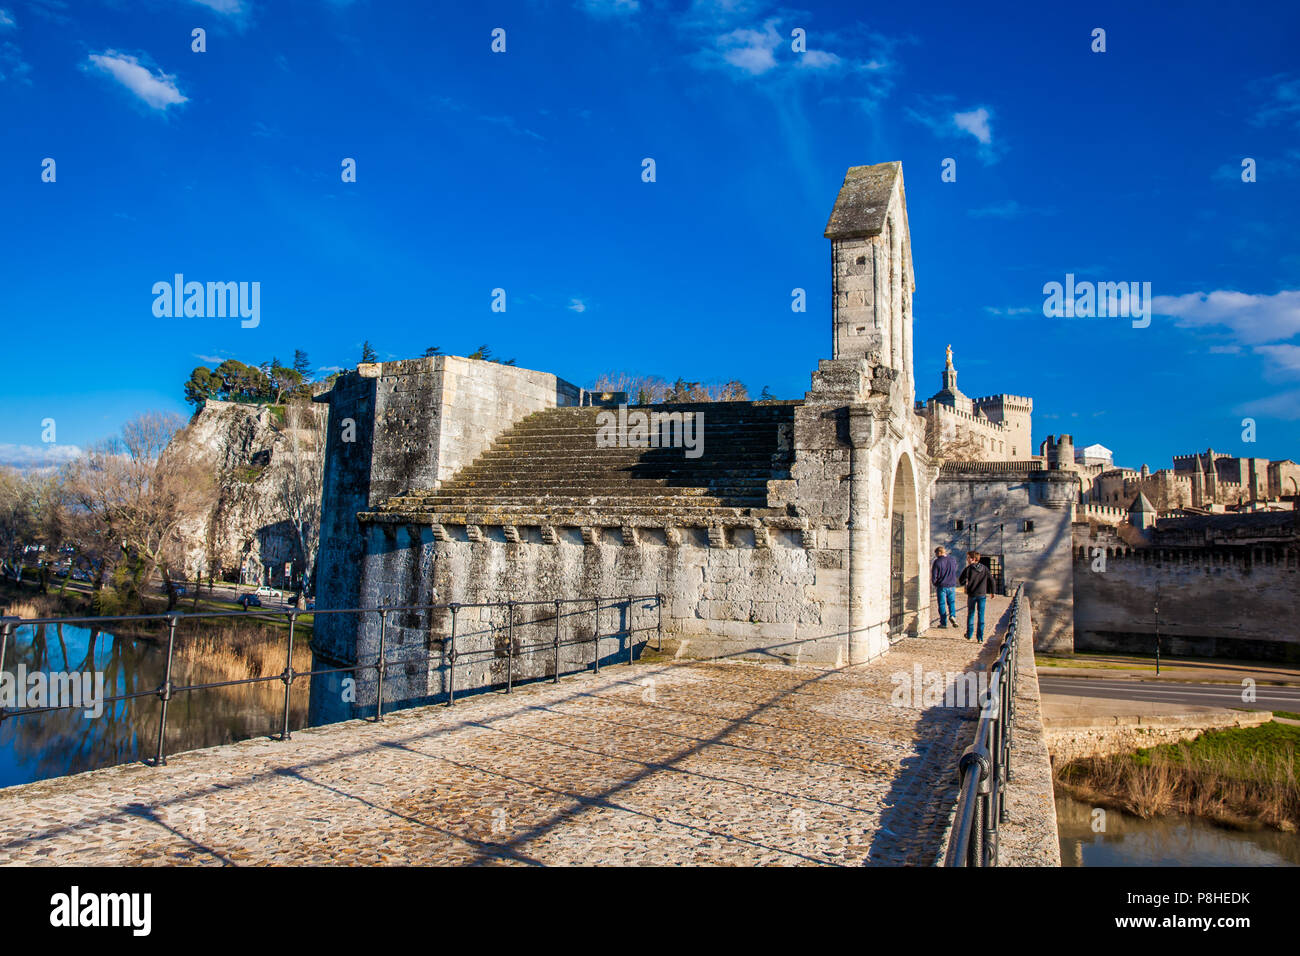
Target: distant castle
x,y
992,428
1202,482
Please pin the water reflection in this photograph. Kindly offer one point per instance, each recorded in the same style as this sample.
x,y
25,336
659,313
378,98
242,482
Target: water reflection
x,y
1166,841
48,745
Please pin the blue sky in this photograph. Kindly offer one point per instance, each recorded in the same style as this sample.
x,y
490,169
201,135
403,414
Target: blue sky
x,y
522,170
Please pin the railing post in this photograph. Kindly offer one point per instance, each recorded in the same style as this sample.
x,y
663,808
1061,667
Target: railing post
x,y
659,640
510,644
631,631
379,664
595,634
451,658
165,691
555,677
5,630
288,676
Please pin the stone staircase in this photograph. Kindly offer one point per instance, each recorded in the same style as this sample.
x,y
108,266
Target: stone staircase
x,y
550,464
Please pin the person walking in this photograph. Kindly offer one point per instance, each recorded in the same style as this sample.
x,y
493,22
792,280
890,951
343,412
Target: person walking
x,y
943,576
978,582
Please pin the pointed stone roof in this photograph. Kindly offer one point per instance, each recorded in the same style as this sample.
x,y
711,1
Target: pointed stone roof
x,y
863,202
1141,505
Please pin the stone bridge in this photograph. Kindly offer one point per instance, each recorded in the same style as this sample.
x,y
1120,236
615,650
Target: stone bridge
x,y
659,762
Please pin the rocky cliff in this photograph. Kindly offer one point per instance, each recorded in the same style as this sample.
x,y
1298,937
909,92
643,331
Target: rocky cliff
x,y
266,467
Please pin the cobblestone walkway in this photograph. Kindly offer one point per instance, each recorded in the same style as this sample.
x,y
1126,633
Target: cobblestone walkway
x,y
668,762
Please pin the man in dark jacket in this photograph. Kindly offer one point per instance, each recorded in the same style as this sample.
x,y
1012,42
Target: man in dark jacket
x,y
978,583
943,576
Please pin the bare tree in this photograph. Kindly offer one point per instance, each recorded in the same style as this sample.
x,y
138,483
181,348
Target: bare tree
x,y
652,390
959,446
139,495
15,511
301,479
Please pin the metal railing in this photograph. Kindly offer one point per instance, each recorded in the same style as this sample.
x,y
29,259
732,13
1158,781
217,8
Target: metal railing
x,y
449,652
985,766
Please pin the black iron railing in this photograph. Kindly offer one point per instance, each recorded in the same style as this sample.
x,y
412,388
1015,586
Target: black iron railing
x,y
985,767
448,652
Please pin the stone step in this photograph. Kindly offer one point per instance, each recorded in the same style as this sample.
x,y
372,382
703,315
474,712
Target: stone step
x,y
585,515
528,491
591,428
647,456
651,486
551,463
614,502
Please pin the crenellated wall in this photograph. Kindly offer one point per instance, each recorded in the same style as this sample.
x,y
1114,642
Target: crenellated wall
x,y
1207,592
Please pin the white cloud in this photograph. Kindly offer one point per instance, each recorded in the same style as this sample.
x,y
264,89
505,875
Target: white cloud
x,y
1281,95
729,42
6,19
1285,359
753,51
577,305
821,60
37,456
231,8
1284,405
1253,319
157,90
975,122
609,8
12,65
717,14
1007,209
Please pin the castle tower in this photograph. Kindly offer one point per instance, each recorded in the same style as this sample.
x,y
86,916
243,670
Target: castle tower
x,y
950,394
1142,513
871,268
1058,452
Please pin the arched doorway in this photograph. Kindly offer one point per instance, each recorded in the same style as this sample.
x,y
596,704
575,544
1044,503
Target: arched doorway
x,y
904,576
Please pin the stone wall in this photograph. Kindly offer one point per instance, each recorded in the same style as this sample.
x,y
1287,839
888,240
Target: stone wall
x,y
1073,738
994,504
1213,602
396,426
723,595
1029,837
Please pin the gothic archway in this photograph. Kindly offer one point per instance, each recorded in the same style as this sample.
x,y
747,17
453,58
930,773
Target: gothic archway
x,y
904,574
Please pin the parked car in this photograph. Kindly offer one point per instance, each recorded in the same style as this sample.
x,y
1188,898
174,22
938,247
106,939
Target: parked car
x,y
269,592
180,590
250,600
311,604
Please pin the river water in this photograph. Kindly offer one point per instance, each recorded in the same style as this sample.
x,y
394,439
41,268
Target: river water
x,y
1165,841
39,746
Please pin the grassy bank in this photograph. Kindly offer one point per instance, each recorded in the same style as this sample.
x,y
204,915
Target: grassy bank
x,y
1243,777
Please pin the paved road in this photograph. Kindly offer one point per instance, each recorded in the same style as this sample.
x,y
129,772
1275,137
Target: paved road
x,y
1205,695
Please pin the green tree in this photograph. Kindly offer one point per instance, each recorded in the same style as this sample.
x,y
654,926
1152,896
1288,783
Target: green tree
x,y
431,351
368,352
281,381
201,386
301,365
484,354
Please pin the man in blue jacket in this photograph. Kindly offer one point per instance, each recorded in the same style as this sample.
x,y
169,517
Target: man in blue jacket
x,y
943,575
